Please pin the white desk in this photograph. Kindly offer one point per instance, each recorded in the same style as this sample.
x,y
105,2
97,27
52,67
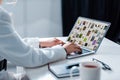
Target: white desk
x,y
109,52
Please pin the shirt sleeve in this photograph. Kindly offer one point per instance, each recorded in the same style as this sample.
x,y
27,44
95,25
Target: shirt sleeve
x,y
14,49
33,42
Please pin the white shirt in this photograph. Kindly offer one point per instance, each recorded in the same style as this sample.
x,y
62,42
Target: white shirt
x,y
25,52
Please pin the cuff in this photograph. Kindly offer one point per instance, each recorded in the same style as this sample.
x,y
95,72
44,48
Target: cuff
x,y
60,52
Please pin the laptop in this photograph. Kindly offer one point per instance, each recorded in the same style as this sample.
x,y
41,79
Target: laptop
x,y
88,34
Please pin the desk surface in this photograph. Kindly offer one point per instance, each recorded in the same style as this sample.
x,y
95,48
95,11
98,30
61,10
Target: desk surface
x,y
108,52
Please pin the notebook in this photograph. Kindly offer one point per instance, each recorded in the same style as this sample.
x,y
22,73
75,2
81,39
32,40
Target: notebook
x,y
88,34
61,70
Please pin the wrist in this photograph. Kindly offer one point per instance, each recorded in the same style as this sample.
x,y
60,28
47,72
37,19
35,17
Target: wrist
x,y
42,44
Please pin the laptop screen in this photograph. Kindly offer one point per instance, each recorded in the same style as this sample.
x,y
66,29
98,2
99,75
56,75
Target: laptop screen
x,y
88,33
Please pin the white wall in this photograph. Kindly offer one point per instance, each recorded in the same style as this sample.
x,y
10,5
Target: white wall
x,y
37,18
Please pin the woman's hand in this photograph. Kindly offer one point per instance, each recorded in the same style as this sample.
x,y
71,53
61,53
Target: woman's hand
x,y
71,47
50,42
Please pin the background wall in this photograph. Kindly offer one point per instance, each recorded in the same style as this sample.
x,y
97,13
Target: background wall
x,y
104,10
37,18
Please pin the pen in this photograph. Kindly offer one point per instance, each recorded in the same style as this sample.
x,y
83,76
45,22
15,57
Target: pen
x,y
71,65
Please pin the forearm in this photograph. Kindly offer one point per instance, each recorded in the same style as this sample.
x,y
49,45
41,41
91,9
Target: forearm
x,y
35,42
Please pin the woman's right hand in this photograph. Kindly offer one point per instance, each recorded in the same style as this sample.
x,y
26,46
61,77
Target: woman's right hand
x,y
71,47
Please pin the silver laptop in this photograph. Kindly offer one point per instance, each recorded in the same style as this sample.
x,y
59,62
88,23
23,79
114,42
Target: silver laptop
x,y
88,34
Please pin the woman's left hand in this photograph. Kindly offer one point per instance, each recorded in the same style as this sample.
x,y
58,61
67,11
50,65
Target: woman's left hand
x,y
50,42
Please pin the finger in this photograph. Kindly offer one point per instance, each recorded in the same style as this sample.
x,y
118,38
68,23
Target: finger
x,y
77,47
78,50
72,43
60,41
57,40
